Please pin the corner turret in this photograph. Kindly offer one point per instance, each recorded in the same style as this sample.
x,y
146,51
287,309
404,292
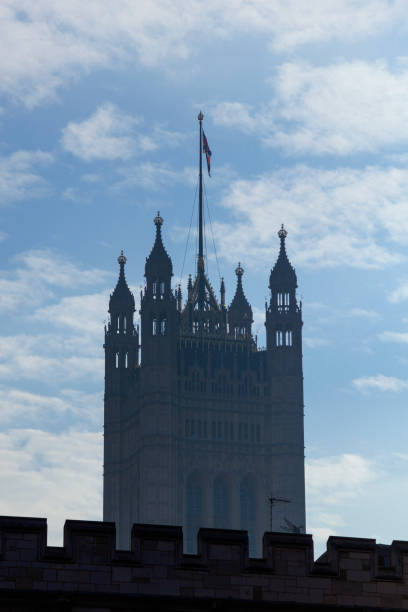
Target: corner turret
x,y
158,267
283,314
158,304
283,276
240,312
121,336
121,302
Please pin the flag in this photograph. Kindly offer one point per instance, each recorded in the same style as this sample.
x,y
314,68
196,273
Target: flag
x,y
206,150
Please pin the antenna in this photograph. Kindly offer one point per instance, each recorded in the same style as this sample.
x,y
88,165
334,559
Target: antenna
x,y
200,259
273,501
291,527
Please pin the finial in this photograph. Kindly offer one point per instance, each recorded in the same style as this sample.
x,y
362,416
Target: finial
x,y
239,270
121,258
200,116
158,220
282,232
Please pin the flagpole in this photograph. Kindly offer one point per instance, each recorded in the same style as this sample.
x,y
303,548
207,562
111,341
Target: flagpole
x,y
200,260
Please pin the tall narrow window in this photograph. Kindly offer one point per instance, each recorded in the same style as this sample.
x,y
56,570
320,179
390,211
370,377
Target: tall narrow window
x,y
288,337
286,300
126,360
247,511
279,299
193,512
221,510
154,327
154,287
124,323
279,337
117,360
163,327
258,433
118,324
161,290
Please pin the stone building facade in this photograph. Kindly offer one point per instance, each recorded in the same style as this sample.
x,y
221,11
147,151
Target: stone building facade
x,y
89,574
201,427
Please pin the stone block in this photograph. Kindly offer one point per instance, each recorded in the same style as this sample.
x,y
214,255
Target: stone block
x,y
121,574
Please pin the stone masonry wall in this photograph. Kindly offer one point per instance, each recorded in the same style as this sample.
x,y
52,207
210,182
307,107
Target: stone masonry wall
x,y
88,573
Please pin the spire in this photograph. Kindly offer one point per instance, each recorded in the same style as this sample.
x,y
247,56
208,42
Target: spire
x,y
179,298
283,273
222,291
122,298
240,306
158,262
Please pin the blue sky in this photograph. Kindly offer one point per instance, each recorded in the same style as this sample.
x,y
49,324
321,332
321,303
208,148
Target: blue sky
x,y
306,114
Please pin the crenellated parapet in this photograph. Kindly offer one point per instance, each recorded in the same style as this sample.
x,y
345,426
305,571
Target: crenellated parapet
x,y
89,572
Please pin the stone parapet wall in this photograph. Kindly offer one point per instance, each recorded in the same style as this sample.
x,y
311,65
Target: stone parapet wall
x,y
88,573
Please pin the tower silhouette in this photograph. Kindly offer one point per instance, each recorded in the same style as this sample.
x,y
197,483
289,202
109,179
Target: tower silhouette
x,y
205,426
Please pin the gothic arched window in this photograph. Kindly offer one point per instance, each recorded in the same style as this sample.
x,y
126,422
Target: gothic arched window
x,y
194,505
247,511
163,327
221,509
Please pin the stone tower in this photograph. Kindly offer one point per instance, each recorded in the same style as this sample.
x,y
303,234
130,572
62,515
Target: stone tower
x,y
205,428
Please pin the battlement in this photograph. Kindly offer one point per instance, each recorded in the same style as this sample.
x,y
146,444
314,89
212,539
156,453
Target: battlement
x,y
352,572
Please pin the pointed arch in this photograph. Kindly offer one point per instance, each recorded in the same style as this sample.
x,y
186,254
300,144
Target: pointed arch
x,y
221,503
193,510
247,499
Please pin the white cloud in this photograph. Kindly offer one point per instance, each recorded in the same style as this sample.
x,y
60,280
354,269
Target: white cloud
x,y
157,177
315,342
237,114
334,217
110,134
19,406
339,109
44,270
389,336
334,480
364,313
46,45
33,358
19,179
380,383
91,178
400,294
80,313
57,476
104,135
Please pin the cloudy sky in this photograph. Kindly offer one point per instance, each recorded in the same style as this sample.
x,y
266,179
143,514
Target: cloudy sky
x,y
306,114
